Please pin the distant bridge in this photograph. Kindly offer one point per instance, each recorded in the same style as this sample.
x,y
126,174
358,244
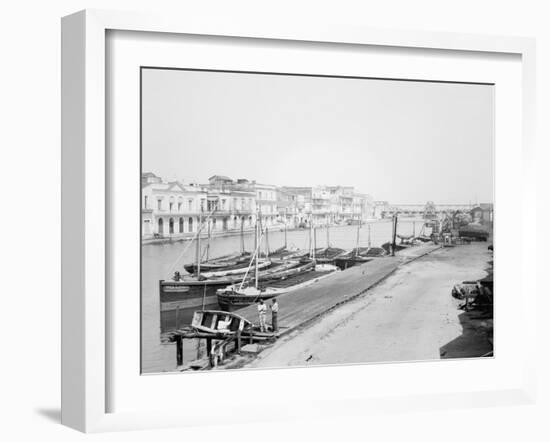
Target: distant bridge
x,y
426,210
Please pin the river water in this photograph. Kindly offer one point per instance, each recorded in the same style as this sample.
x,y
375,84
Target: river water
x,y
160,260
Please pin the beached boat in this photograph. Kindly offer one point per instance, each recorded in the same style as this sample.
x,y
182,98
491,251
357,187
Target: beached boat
x,y
239,296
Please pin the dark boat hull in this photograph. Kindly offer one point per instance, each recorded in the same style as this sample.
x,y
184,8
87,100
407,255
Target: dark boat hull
x,y
189,293
217,264
231,300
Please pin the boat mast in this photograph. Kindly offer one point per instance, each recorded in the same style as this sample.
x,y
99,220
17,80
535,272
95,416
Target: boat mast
x,y
266,244
314,243
357,238
394,234
199,247
285,227
257,251
242,235
368,229
209,236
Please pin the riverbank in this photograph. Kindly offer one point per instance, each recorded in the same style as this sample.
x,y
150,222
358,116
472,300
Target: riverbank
x,y
410,315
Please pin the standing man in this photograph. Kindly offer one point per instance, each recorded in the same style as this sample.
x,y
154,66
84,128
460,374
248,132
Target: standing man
x,y
274,312
262,312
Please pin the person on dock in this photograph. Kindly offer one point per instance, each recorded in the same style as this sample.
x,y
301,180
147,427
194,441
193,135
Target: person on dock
x,y
177,276
262,313
274,312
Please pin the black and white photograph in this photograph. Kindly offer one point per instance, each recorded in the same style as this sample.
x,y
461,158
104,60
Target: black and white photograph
x,y
309,220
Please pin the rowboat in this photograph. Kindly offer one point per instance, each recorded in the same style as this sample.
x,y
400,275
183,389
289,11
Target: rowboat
x,y
219,322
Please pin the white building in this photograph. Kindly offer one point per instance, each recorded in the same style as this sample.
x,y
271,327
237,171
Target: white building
x,y
171,208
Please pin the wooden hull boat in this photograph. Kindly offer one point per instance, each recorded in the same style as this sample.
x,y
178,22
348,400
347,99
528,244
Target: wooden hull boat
x,y
283,254
219,263
235,297
327,255
191,293
354,257
218,322
387,247
235,270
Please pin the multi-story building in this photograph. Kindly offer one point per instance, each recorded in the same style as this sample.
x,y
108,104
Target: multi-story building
x,y
322,205
230,204
260,198
298,206
170,208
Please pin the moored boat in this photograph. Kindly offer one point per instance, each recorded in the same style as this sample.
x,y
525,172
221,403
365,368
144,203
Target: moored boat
x,y
356,256
327,255
219,322
192,292
219,263
239,296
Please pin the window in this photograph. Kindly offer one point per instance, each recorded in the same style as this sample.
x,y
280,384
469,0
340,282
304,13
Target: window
x,y
170,205
159,204
181,225
179,207
190,205
145,202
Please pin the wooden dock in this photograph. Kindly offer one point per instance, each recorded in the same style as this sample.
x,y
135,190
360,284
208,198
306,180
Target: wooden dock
x,y
297,309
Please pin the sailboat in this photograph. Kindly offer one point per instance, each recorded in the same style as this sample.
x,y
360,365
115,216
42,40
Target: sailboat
x,y
240,295
230,262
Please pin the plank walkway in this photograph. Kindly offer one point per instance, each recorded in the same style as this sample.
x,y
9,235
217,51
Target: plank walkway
x,y
298,308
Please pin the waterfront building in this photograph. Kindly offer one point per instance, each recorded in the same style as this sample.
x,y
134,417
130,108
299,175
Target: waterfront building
x,y
322,205
231,204
175,209
362,207
170,209
341,207
266,202
300,204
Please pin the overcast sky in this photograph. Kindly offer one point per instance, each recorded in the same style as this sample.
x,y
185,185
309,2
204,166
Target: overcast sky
x,y
406,142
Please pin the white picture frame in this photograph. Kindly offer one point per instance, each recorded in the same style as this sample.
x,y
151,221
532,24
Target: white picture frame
x,y
85,232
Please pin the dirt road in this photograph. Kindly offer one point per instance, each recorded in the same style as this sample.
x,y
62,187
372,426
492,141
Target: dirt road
x,y
410,316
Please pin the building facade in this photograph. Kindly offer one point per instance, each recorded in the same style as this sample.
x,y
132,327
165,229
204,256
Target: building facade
x,y
170,209
177,209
